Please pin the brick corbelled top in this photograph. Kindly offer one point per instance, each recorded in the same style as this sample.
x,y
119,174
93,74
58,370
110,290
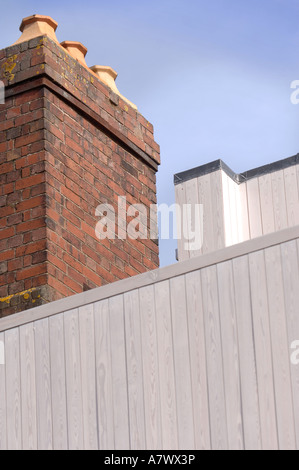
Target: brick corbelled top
x,y
44,58
37,26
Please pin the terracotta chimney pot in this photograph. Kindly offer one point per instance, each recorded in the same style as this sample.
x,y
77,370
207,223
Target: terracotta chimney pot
x,y
37,25
76,50
108,76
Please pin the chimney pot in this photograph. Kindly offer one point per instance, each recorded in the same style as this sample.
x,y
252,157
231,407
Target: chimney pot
x,y
108,76
77,50
37,25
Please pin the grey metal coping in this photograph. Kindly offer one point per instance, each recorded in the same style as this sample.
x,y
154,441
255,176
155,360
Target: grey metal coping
x,y
238,178
142,280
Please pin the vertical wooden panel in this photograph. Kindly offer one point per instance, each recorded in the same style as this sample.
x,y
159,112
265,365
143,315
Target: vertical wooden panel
x,y
292,195
28,387
13,390
227,212
3,431
267,206
152,402
135,372
218,420
290,266
263,350
104,376
88,377
119,373
280,348
180,197
182,363
191,190
73,380
233,196
297,206
250,401
217,210
198,361
254,208
166,366
204,198
58,382
230,355
242,213
279,200
43,385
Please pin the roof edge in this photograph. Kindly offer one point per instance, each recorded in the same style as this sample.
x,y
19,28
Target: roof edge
x,y
239,178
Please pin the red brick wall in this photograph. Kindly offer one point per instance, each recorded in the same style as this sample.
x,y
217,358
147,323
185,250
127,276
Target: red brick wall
x,y
22,200
67,144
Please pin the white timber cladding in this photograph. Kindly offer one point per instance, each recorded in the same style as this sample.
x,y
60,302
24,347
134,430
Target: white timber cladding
x,y
206,190
233,213
193,356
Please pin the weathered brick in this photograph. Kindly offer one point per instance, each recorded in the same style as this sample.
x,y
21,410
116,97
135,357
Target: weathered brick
x,y
7,255
14,219
30,181
6,168
31,272
7,233
3,267
59,286
30,225
15,264
75,287
31,203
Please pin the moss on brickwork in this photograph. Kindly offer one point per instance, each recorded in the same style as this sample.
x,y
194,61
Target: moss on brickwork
x,y
24,300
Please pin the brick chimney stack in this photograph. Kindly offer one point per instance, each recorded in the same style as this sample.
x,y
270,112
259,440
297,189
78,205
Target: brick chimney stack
x,y
69,141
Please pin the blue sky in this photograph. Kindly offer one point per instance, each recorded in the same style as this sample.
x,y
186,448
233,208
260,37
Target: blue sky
x,y
213,76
